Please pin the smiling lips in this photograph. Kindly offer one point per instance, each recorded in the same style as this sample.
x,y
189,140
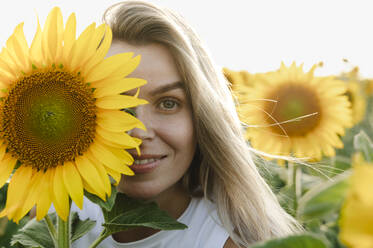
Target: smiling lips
x,y
145,163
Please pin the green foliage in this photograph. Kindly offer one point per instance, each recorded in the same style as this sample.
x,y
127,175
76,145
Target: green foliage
x,y
108,204
3,191
7,228
120,213
130,213
296,241
324,198
34,234
80,227
363,144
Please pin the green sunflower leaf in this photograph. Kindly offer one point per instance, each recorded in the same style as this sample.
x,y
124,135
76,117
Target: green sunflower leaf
x,y
323,199
363,144
296,241
130,213
108,204
8,229
80,227
34,234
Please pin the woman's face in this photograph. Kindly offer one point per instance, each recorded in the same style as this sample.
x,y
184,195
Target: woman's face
x,y
169,143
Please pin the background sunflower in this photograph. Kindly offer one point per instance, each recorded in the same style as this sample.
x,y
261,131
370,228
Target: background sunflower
x,y
356,216
290,112
241,82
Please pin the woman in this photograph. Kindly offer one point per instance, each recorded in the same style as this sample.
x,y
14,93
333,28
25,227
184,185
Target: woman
x,y
194,160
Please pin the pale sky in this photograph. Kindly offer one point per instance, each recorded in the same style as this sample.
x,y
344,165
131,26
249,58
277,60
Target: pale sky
x,y
252,35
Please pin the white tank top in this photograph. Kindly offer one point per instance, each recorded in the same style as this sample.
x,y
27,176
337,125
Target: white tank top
x,y
204,229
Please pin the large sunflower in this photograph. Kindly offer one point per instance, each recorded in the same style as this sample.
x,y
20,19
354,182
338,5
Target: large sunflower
x,y
290,112
62,130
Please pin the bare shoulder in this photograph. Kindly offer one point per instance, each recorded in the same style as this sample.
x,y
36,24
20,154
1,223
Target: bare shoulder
x,y
230,244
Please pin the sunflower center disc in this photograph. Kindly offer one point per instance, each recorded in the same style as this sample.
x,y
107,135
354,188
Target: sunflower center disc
x,y
297,110
49,117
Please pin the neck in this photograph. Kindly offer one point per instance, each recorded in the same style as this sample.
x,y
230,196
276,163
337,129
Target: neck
x,y
175,208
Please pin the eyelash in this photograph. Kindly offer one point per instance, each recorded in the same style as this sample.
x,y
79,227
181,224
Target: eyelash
x,y
173,100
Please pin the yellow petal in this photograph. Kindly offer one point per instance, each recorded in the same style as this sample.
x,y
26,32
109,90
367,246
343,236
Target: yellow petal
x,y
69,36
128,68
6,64
119,102
138,141
60,36
102,154
117,121
52,34
61,197
90,175
109,66
19,49
5,82
6,71
122,154
21,39
73,183
93,43
17,189
101,51
2,150
103,174
7,164
120,138
361,181
89,189
36,52
9,58
107,143
115,87
44,200
114,174
31,197
78,53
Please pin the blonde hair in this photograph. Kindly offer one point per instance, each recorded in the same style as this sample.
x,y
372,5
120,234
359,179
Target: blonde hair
x,y
223,169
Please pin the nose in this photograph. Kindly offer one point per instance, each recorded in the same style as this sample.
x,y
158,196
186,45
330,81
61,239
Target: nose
x,y
144,115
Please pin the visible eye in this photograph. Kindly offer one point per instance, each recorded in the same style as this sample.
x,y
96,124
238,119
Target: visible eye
x,y
130,111
168,104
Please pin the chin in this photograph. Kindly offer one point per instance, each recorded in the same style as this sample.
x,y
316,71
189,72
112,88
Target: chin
x,y
138,193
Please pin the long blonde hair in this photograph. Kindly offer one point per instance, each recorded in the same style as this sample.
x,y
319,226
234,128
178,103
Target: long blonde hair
x,y
223,169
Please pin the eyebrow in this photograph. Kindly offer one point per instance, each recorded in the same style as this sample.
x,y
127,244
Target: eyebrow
x,y
168,87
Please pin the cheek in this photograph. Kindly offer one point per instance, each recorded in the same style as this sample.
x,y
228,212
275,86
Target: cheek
x,y
179,135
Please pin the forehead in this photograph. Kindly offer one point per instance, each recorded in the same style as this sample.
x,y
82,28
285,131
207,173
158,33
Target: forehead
x,y
157,65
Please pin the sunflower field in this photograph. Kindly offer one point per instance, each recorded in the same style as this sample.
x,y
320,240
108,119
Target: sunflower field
x,y
313,136
313,140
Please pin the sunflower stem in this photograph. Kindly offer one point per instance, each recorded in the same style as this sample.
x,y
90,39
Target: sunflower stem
x,y
296,184
63,238
103,235
51,229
